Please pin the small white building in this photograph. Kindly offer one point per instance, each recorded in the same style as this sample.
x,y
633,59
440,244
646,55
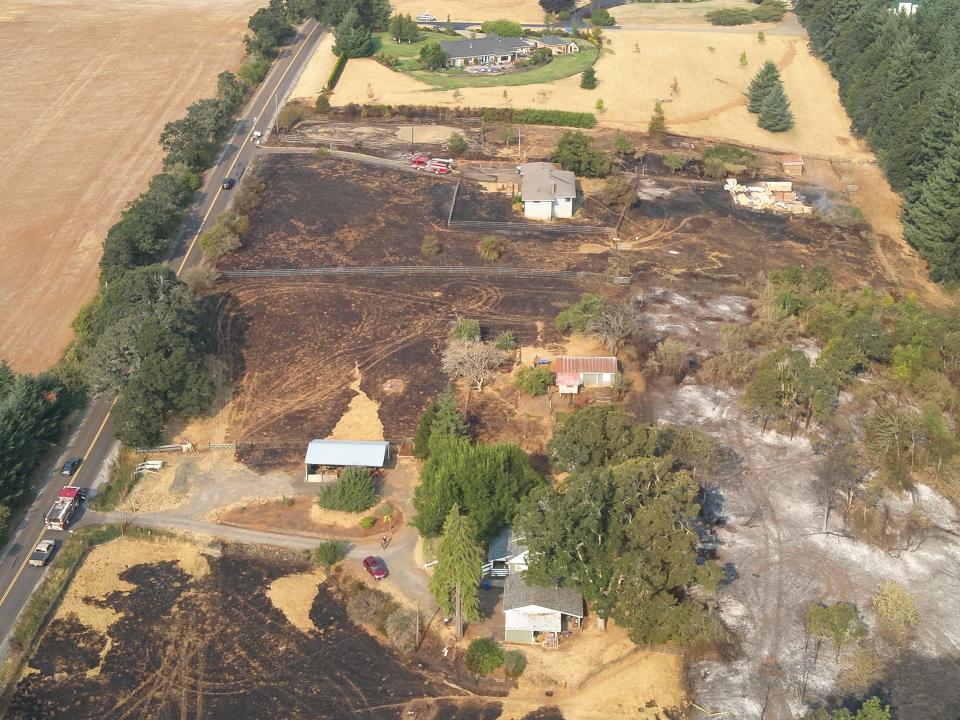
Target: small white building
x,y
907,7
589,372
534,614
326,458
546,191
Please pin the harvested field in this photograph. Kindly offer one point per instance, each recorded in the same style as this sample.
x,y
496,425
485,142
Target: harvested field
x,y
87,88
216,647
523,11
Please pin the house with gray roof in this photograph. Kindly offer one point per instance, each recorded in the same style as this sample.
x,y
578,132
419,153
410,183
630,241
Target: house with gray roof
x,y
533,614
557,44
489,50
546,191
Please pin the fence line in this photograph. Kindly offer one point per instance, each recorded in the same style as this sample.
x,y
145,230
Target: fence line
x,y
507,227
415,270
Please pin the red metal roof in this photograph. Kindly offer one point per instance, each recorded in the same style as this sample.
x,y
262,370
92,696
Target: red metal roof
x,y
567,365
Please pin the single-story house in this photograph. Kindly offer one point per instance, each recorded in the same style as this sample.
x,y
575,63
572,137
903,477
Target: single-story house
x,y
489,50
907,7
505,555
559,45
572,372
792,165
538,614
325,458
546,191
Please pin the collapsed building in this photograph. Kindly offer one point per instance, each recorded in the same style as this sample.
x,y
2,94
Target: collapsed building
x,y
769,196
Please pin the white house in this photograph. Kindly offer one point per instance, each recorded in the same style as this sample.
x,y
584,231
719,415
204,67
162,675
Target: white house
x,y
907,7
534,614
325,458
546,191
505,555
574,372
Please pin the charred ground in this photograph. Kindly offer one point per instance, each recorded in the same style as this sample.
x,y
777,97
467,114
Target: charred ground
x,y
216,648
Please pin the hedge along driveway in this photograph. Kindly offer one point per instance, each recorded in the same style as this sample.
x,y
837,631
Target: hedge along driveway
x,y
561,66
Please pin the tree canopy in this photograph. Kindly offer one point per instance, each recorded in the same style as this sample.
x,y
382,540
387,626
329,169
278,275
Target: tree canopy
x,y
576,152
352,37
459,566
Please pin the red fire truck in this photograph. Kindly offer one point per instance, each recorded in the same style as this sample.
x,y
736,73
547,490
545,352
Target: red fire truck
x,y
66,504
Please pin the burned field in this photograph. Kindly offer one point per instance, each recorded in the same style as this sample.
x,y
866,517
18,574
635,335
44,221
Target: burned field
x,y
299,341
326,212
693,230
294,344
216,647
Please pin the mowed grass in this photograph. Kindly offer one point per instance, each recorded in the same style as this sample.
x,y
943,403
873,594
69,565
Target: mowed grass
x,y
561,66
386,45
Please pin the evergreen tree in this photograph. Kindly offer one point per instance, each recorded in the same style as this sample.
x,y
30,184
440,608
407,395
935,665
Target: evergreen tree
x,y
588,79
352,36
775,114
932,222
447,421
459,568
658,121
760,85
938,130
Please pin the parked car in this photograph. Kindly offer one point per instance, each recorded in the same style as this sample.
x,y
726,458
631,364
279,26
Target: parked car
x,y
376,567
41,555
228,183
70,466
426,17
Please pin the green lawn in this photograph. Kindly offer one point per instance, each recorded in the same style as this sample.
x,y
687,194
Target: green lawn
x,y
559,67
386,45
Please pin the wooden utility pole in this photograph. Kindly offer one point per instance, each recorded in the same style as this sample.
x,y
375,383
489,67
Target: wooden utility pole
x,y
417,645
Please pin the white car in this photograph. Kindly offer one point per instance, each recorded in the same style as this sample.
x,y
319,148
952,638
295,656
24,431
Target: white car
x,y
426,17
42,553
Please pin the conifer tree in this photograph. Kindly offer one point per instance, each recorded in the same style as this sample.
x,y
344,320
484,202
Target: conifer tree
x,y
658,121
760,85
938,130
932,222
459,568
447,421
775,114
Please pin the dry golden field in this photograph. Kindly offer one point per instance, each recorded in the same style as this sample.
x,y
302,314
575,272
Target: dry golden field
x,y
87,87
523,11
640,65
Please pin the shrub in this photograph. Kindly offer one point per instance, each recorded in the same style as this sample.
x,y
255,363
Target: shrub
x,y
465,329
535,381
371,606
430,246
674,162
601,18
323,106
432,56
336,72
457,144
506,340
714,169
490,248
769,11
730,16
576,152
896,610
354,491
507,28
329,553
514,663
200,279
292,114
367,522
577,316
562,118
401,629
484,656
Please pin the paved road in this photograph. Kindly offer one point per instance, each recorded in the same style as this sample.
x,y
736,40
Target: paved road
x,y
93,439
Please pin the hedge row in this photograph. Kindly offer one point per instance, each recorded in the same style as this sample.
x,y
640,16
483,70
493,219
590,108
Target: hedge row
x,y
528,116
336,72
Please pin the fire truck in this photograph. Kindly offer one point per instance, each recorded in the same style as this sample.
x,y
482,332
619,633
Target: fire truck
x,y
64,507
438,166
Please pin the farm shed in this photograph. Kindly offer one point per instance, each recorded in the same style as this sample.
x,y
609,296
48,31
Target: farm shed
x,y
792,165
546,191
325,458
538,614
572,372
505,555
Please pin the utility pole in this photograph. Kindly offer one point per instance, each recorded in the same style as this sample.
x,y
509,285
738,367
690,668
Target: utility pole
x,y
417,646
519,154
276,114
